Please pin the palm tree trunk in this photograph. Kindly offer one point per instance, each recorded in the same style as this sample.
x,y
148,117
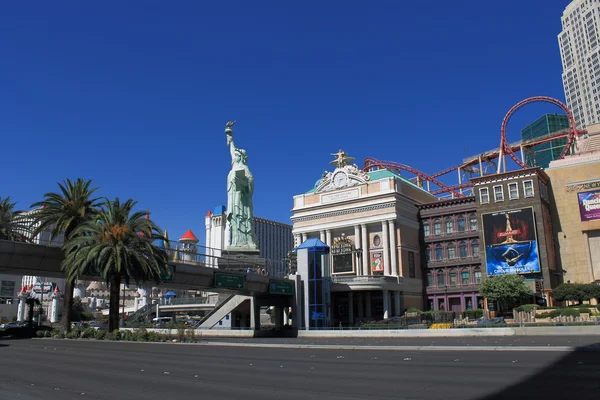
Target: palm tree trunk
x,y
115,291
67,306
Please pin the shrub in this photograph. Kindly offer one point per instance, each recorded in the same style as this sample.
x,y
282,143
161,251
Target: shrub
x,y
413,310
569,312
190,335
585,310
40,334
114,335
554,313
527,307
474,314
88,333
543,315
73,334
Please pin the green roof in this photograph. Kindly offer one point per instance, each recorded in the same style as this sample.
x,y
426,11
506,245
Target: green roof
x,y
382,174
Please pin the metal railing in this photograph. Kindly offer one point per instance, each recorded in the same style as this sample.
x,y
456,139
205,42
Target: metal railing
x,y
366,279
185,300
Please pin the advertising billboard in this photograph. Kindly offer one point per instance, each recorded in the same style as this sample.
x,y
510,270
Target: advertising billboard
x,y
589,205
377,261
510,242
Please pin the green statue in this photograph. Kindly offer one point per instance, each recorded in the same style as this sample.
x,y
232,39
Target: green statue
x,y
240,187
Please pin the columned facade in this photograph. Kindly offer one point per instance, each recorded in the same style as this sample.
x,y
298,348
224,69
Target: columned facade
x,y
360,216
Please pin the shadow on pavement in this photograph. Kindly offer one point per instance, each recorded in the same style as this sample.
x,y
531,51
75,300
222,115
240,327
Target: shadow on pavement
x,y
575,376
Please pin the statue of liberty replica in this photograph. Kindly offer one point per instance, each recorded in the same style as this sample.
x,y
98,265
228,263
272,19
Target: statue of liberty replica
x,y
240,188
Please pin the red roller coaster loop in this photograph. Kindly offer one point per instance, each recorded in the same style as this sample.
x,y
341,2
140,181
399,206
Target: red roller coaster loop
x,y
371,163
505,146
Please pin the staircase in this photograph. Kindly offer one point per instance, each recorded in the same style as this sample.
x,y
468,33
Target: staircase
x,y
229,304
139,316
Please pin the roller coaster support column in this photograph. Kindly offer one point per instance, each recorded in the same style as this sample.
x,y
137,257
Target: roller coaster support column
x,y
459,180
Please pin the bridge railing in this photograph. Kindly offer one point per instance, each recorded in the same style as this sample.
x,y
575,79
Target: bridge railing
x,y
273,268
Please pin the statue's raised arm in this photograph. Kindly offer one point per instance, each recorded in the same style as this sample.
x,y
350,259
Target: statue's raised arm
x,y
229,133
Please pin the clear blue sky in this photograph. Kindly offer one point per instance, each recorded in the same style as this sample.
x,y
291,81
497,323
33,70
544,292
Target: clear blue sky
x,y
135,95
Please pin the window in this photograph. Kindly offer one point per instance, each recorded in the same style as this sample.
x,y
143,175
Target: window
x,y
475,247
513,191
462,250
477,276
411,264
426,229
460,223
441,279
437,228
464,278
453,278
429,279
528,188
439,253
473,222
449,226
498,193
451,252
484,196
428,254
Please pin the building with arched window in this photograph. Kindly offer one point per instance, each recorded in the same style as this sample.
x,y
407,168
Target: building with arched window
x,y
452,265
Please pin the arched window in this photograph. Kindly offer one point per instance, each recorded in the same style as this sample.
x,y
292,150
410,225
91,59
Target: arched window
x,y
453,278
462,250
473,222
441,278
475,248
437,227
439,253
449,225
452,251
464,277
429,279
477,275
426,228
460,223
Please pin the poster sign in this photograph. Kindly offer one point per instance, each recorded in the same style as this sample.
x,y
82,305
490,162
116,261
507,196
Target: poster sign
x,y
589,205
510,242
377,261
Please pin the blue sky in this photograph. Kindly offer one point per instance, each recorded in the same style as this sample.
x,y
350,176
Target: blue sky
x,y
135,95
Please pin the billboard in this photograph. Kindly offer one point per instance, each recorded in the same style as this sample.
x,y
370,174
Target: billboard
x,y
510,242
377,261
589,205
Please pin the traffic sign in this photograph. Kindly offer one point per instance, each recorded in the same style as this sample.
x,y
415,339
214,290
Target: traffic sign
x,y
229,281
281,287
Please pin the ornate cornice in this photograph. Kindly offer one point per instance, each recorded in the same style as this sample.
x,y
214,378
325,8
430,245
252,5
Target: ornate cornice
x,y
577,187
355,210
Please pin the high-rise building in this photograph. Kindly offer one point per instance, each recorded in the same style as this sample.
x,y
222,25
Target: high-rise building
x,y
579,43
541,154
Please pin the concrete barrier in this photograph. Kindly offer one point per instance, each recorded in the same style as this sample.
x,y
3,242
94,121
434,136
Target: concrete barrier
x,y
463,332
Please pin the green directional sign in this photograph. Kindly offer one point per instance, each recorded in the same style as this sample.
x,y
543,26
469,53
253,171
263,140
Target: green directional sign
x,y
229,281
281,287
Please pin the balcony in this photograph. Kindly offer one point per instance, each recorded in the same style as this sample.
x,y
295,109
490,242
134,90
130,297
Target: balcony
x,y
376,279
459,287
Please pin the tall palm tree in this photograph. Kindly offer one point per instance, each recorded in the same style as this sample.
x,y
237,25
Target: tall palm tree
x,y
12,225
119,246
62,213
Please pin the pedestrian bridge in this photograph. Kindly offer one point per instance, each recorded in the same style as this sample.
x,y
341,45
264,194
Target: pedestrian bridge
x,y
19,258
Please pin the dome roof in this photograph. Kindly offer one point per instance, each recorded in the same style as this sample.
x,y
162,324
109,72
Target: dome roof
x,y
189,236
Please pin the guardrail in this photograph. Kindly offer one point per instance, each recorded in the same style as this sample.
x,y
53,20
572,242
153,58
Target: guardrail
x,y
366,279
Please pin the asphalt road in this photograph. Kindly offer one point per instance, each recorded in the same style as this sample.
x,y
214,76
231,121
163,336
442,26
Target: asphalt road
x,y
78,369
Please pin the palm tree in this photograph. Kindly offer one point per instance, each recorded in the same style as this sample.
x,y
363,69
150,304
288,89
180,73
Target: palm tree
x,y
62,213
12,225
119,245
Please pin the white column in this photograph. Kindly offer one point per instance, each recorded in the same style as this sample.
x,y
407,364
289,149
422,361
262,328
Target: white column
x,y
322,237
21,309
361,309
304,237
365,249
297,240
386,249
328,237
397,311
393,249
350,308
386,304
368,304
54,309
357,246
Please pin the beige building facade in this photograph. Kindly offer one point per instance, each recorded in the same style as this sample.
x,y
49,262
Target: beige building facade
x,y
370,222
575,182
